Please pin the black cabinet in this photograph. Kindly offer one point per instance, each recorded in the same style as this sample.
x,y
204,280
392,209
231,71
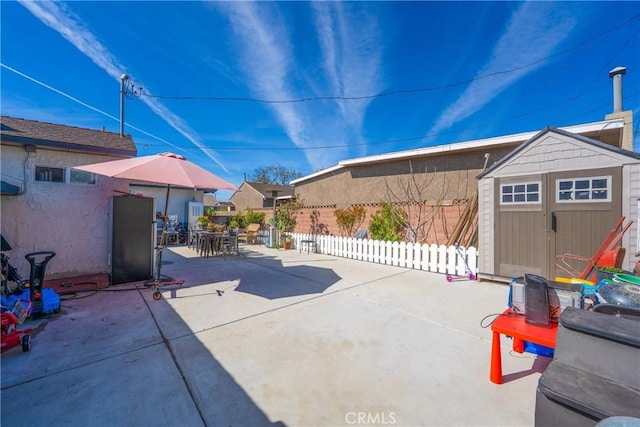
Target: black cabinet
x,y
132,239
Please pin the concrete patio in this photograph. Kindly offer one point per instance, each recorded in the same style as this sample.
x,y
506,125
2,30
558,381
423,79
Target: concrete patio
x,y
272,337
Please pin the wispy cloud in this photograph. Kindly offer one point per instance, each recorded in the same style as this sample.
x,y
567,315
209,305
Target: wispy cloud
x,y
533,32
76,100
351,58
265,56
60,18
349,63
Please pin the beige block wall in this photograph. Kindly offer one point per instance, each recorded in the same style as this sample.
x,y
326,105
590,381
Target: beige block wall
x,y
442,220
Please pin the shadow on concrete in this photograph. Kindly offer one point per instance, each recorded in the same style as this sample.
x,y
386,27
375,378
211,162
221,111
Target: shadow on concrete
x,y
298,280
108,360
540,363
258,274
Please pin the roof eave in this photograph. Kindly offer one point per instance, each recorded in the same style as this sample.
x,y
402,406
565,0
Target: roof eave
x,y
68,146
315,174
465,145
482,143
561,131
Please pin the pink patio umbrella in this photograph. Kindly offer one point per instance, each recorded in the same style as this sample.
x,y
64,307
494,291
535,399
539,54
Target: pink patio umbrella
x,y
163,168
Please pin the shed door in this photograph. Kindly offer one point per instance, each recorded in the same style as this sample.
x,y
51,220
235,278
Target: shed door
x,y
520,233
563,214
586,206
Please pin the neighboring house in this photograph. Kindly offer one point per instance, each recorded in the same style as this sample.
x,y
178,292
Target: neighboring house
x,y
46,205
559,193
223,211
259,196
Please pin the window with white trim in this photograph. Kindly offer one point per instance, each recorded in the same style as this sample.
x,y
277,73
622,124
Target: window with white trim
x,y
520,193
82,177
583,190
64,175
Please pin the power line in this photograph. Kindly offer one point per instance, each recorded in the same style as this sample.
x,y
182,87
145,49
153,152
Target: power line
x,y
407,139
604,66
390,141
74,99
392,92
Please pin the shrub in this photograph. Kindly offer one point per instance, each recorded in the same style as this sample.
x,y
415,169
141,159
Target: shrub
x,y
286,216
387,223
350,219
252,217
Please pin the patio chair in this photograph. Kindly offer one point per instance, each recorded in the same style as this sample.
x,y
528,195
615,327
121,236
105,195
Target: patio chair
x,y
309,243
173,221
360,234
252,233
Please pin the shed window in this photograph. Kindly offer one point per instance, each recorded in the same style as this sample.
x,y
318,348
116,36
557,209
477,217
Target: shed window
x,y
579,190
520,193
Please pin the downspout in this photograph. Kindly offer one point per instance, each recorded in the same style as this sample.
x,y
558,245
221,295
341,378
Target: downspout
x,y
29,149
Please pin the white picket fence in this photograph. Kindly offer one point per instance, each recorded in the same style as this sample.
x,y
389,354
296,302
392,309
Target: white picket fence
x,y
436,258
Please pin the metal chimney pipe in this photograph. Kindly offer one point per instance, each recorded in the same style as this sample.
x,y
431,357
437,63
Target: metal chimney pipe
x,y
123,78
616,74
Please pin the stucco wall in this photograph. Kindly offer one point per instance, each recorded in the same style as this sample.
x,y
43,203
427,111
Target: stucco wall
x,y
441,177
72,220
246,197
178,198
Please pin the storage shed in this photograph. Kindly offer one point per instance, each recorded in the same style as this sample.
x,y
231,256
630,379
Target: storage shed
x,y
557,193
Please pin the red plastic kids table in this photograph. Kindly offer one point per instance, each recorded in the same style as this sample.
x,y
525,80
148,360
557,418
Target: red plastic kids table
x,y
514,325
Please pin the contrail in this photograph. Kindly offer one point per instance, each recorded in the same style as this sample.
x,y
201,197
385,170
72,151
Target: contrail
x,y
57,16
84,104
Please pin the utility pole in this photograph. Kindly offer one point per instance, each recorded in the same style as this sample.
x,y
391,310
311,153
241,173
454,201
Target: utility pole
x,y
123,78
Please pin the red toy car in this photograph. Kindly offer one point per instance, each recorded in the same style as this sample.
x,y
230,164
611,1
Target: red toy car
x,y
10,336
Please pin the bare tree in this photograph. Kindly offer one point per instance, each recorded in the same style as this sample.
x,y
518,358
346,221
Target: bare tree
x,y
411,193
350,219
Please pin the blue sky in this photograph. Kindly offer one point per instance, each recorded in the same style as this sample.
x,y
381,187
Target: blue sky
x,y
235,86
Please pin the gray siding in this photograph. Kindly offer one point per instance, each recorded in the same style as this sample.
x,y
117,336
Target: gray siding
x,y
486,218
555,153
631,209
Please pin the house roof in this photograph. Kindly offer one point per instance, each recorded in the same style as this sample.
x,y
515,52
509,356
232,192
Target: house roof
x,y
266,190
56,136
524,145
506,140
209,199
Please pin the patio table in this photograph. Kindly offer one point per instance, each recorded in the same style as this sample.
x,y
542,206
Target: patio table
x,y
216,243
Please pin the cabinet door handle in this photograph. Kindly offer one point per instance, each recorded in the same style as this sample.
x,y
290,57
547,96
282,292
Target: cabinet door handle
x,y
554,222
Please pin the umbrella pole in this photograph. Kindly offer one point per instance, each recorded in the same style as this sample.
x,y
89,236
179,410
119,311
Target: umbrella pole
x,y
158,280
163,235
